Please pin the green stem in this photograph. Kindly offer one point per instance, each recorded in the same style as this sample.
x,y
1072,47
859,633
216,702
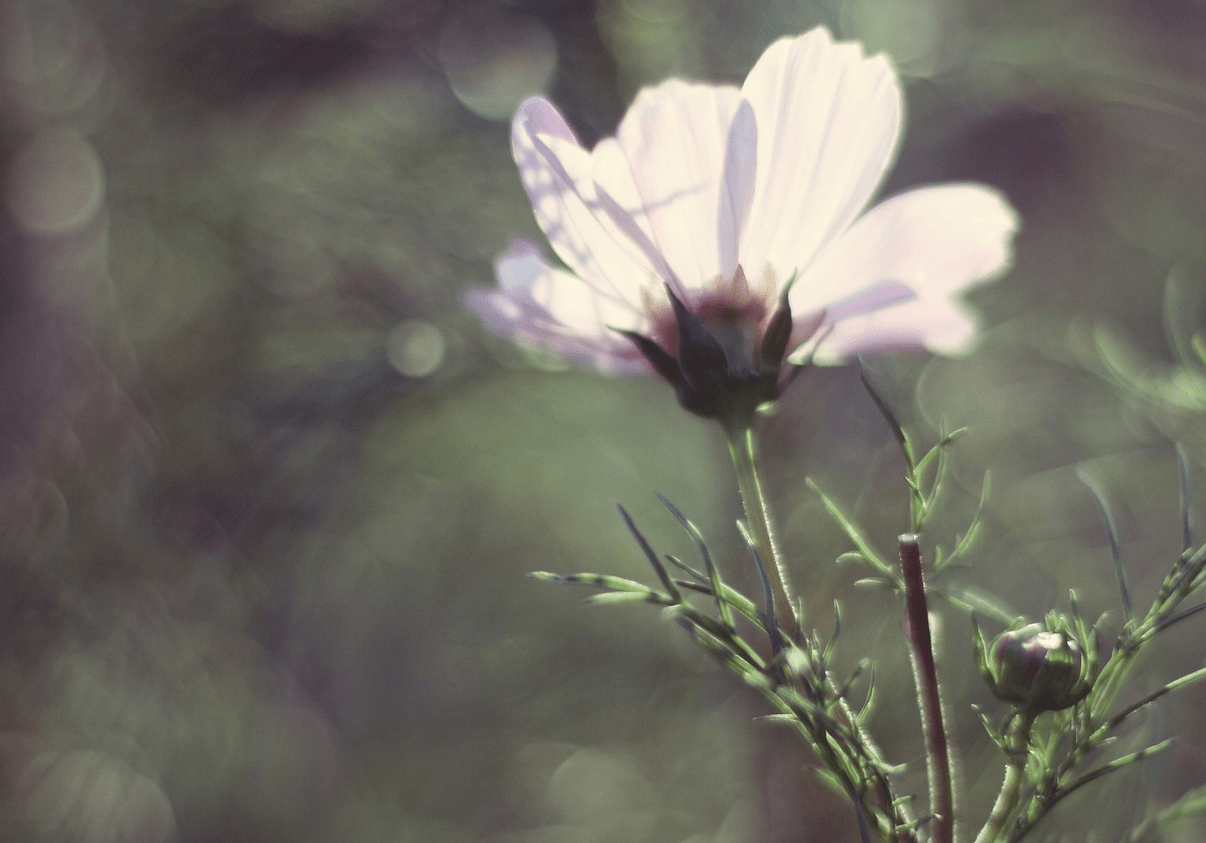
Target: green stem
x,y
1110,682
757,516
925,673
1017,751
741,449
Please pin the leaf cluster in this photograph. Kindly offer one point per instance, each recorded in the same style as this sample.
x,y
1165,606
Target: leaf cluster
x,y
793,675
927,480
1054,755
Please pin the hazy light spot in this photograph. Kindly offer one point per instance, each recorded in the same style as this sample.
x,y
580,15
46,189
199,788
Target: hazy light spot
x,y
35,515
309,15
301,266
42,41
290,759
906,30
495,58
133,244
55,60
415,348
92,797
650,38
594,788
55,183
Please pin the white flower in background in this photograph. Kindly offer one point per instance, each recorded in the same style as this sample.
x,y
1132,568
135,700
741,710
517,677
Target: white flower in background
x,y
681,236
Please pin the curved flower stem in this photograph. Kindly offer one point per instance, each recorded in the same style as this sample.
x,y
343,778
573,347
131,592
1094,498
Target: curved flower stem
x,y
741,449
938,756
1015,770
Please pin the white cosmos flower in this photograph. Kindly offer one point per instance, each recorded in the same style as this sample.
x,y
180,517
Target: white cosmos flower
x,y
722,195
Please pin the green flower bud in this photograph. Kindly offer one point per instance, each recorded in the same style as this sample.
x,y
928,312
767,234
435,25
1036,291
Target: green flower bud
x,y
1037,667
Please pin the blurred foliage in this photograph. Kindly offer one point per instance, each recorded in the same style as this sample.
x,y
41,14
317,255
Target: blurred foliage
x,y
267,493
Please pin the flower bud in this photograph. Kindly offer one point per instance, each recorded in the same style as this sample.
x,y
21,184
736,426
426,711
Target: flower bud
x,y
1037,667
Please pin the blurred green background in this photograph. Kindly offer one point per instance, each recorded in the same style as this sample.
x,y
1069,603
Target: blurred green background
x,y
267,493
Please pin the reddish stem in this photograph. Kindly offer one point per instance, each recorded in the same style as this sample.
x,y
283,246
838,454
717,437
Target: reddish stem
x,y
925,674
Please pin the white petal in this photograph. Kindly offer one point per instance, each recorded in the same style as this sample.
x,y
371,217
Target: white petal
x,y
618,195
739,175
526,277
811,327
665,174
828,120
938,324
556,172
934,240
554,310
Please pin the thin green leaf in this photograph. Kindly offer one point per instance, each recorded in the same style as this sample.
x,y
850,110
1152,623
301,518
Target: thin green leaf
x,y
611,597
877,582
869,700
855,535
831,779
970,600
964,542
768,597
1187,805
837,630
698,576
650,555
722,608
1175,685
1185,576
897,431
844,691
1105,769
943,444
1180,616
736,599
1098,495
601,581
930,500
731,659
726,635
993,733
1186,495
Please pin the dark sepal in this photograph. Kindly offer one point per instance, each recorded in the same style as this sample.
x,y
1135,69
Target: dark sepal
x,y
660,359
705,381
700,354
689,396
778,333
